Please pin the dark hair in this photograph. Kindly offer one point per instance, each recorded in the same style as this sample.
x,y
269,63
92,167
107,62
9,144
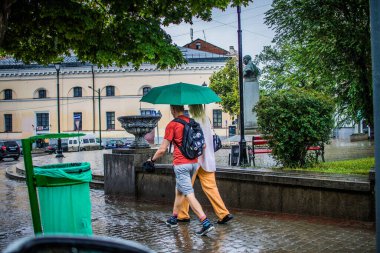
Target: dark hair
x,y
178,108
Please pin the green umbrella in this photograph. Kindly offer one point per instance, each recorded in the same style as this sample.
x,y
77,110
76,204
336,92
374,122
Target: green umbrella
x,y
181,94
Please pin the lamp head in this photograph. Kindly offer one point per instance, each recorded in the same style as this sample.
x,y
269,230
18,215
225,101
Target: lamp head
x,y
57,66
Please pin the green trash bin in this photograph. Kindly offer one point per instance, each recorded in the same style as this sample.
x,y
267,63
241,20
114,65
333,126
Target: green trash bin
x,y
64,198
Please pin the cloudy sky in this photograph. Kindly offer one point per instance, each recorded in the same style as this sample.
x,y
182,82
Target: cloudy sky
x,y
222,30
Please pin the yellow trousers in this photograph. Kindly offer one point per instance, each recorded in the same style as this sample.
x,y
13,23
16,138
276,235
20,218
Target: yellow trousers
x,y
209,187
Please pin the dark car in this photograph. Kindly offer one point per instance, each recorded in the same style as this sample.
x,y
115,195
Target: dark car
x,y
20,145
114,144
53,148
9,149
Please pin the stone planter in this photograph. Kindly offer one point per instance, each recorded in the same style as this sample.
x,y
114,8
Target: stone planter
x,y
139,126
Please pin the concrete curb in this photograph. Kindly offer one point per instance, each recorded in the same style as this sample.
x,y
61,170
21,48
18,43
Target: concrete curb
x,y
18,174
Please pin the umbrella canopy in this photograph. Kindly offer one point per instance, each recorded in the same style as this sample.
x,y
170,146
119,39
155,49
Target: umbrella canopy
x,y
181,94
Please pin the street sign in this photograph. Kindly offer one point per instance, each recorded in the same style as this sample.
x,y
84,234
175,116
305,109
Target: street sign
x,y
77,120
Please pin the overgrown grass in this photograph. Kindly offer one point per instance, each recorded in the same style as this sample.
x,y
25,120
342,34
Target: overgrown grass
x,y
357,166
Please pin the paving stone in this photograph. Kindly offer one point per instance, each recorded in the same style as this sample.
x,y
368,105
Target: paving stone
x,y
143,222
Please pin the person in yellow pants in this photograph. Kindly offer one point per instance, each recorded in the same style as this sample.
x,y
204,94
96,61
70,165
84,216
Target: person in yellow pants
x,y
206,172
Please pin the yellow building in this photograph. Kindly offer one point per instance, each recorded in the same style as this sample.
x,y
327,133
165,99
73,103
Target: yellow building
x,y
29,104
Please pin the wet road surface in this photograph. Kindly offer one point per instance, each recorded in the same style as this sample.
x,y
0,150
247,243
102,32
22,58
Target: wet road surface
x,y
144,223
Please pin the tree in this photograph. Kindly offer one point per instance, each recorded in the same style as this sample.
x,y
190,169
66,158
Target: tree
x,y
103,32
225,83
324,46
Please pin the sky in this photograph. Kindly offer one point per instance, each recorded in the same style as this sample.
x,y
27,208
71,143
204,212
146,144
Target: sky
x,y
222,30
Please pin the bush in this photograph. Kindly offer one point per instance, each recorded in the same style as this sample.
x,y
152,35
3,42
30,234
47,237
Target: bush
x,y
294,120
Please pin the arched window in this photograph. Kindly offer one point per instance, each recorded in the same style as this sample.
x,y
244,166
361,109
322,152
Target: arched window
x,y
8,94
110,91
146,90
41,93
77,91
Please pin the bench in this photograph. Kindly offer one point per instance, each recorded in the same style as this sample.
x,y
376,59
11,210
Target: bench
x,y
260,146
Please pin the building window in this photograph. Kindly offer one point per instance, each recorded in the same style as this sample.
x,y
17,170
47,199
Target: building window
x,y
8,94
8,122
42,121
146,90
77,91
217,118
110,120
110,91
78,115
42,93
198,45
148,112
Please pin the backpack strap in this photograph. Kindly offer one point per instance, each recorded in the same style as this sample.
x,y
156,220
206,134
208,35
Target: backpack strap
x,y
178,120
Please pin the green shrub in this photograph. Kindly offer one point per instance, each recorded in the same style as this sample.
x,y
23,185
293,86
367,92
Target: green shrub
x,y
294,120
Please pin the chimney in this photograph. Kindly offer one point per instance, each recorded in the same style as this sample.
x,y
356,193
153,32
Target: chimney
x,y
232,51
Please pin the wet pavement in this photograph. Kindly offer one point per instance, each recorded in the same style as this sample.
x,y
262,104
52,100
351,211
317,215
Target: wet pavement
x,y
144,222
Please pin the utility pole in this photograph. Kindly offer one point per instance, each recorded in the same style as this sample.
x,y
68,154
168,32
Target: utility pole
x,y
100,118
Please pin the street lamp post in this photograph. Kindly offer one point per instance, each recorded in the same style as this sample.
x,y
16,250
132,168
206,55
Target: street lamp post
x,y
93,98
243,159
100,118
204,85
59,148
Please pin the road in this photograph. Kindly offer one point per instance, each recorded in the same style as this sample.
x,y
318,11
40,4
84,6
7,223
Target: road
x,y
144,222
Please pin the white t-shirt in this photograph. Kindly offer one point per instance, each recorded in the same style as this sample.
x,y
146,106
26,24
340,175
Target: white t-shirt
x,y
207,159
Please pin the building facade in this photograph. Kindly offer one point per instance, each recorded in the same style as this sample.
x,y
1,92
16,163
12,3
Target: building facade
x,y
29,95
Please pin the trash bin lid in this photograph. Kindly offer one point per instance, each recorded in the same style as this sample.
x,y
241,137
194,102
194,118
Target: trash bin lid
x,y
62,174
67,167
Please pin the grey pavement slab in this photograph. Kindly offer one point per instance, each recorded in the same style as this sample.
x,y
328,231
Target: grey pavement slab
x,y
144,222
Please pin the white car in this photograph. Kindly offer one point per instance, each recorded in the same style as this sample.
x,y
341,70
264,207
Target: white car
x,y
83,143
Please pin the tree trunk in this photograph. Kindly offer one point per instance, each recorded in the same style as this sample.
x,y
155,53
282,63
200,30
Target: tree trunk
x,y
4,16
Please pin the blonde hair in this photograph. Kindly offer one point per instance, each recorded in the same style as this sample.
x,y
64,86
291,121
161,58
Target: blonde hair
x,y
197,111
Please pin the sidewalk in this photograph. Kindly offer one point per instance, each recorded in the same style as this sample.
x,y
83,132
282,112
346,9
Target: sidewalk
x,y
143,222
248,232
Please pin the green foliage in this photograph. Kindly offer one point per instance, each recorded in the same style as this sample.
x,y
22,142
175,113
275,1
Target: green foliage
x,y
103,32
323,46
358,166
294,120
225,83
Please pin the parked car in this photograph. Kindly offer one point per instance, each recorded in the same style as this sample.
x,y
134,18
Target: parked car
x,y
53,148
114,144
20,145
87,142
9,149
